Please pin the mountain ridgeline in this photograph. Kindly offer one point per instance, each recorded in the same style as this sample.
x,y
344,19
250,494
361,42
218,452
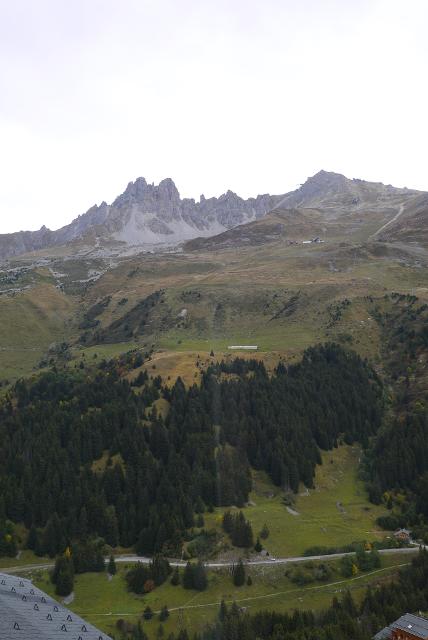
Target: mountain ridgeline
x,y
149,217
83,454
144,215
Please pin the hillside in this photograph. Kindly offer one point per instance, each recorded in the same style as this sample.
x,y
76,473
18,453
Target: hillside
x,y
410,225
287,225
260,283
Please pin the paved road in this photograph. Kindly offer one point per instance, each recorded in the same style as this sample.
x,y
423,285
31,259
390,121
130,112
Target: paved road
x,y
218,565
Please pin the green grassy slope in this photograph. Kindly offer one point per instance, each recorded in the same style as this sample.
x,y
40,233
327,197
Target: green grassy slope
x,y
103,602
29,322
336,512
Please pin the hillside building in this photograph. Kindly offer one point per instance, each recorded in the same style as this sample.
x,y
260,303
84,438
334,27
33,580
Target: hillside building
x,y
243,347
402,535
27,613
408,627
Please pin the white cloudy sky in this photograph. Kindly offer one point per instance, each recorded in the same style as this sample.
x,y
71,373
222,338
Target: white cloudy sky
x,y
251,95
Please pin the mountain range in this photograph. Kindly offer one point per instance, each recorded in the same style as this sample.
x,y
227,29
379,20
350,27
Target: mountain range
x,y
148,217
144,216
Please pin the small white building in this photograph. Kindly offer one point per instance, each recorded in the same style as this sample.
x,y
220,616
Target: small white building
x,y
246,347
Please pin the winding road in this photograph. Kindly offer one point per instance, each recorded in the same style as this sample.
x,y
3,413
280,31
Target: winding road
x,y
218,565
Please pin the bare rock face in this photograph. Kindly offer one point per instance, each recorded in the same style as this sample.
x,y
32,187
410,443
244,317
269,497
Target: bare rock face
x,y
145,215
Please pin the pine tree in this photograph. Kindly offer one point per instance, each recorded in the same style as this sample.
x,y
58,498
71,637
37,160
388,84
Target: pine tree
x,y
239,574
148,613
111,569
63,576
33,539
228,522
53,536
65,583
164,614
200,580
175,580
188,576
222,614
258,546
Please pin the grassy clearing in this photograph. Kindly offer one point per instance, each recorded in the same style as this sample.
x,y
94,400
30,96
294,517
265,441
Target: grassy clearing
x,y
320,520
29,322
291,338
170,364
103,602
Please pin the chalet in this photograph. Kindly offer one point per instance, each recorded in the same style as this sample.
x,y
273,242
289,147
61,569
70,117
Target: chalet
x,y
27,613
402,535
408,627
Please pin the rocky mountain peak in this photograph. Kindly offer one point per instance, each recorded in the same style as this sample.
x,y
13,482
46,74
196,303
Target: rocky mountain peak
x,y
141,192
146,215
327,178
331,190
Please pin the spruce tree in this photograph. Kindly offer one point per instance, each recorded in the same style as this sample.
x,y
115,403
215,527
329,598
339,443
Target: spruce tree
x,y
63,576
188,576
148,613
200,580
239,574
222,614
111,569
175,580
258,546
33,539
164,614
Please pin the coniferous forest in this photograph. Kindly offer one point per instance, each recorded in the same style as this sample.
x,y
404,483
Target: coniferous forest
x,y
83,455
396,460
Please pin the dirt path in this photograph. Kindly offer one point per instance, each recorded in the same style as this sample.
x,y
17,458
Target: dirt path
x,y
397,215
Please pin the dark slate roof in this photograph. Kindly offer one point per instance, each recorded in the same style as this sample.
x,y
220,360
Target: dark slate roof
x,y
385,634
415,625
27,613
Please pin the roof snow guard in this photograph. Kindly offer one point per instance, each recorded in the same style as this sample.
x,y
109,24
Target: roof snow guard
x,y
27,613
414,625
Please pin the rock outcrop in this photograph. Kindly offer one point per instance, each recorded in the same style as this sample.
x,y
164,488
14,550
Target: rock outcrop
x,y
145,215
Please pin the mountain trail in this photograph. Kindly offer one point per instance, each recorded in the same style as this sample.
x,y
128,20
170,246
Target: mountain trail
x,y
397,215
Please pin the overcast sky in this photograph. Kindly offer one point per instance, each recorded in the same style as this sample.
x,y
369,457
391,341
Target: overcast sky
x,y
248,95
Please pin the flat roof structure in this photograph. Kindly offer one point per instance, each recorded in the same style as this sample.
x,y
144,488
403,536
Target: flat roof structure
x,y
253,347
